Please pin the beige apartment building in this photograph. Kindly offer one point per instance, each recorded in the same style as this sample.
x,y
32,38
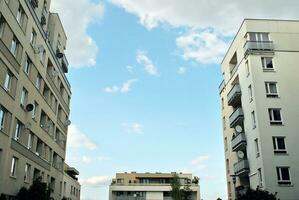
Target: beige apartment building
x,y
149,186
34,96
260,108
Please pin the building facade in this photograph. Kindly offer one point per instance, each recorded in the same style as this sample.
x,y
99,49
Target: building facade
x,y
71,186
34,96
149,186
260,108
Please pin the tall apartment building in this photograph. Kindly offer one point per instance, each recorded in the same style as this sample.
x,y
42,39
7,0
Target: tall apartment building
x,y
260,108
34,96
149,186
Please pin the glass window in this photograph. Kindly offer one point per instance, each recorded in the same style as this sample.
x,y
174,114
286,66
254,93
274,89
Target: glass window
x,y
279,145
34,111
260,177
271,89
247,68
13,47
283,175
30,141
253,119
19,15
250,93
267,63
24,97
38,81
18,130
27,173
2,118
13,168
2,25
33,38
7,81
275,116
257,149
27,66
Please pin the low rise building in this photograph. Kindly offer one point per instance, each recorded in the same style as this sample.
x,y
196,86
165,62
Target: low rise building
x,y
149,186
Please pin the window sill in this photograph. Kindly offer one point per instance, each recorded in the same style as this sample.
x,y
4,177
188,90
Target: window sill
x,y
285,185
8,92
272,96
268,70
281,153
276,124
13,177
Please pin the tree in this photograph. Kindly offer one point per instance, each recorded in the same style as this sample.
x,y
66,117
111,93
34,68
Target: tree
x,y
186,192
37,191
176,193
218,199
257,195
2,197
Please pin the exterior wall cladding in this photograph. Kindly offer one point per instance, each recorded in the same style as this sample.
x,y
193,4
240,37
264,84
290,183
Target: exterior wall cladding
x,y
260,108
34,99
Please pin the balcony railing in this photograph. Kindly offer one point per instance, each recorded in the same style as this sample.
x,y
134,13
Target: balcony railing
x,y
236,118
238,141
234,96
253,46
241,167
221,86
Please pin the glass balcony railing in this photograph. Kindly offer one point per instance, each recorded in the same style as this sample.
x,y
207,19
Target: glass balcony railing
x,y
234,96
241,167
238,142
236,118
252,46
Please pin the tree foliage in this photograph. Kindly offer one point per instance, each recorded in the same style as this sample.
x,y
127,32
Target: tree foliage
x,y
37,191
257,195
178,192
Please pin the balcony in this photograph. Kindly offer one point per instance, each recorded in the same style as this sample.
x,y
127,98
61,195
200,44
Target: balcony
x,y
258,46
221,86
236,118
239,142
234,96
241,168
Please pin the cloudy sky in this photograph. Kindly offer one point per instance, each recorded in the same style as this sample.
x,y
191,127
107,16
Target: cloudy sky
x,y
145,76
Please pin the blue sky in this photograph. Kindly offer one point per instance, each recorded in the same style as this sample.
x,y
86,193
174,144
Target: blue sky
x,y
145,78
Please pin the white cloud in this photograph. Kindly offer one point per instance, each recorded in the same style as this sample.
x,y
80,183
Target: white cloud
x,y
96,181
89,159
198,163
135,128
224,15
124,88
182,70
76,17
144,60
78,139
203,46
130,68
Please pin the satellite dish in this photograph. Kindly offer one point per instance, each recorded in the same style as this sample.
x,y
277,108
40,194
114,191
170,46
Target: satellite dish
x,y
29,107
68,122
59,55
239,129
240,154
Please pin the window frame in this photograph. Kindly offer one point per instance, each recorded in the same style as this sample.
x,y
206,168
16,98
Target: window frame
x,y
250,92
2,119
8,81
24,97
30,141
27,66
14,46
13,167
264,64
253,118
280,176
27,173
276,148
18,130
272,116
268,89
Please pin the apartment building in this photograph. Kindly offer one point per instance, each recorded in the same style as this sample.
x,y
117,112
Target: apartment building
x,y
149,186
34,96
71,186
260,108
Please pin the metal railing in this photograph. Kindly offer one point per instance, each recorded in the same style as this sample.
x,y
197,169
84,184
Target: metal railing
x,y
235,115
221,86
237,140
233,92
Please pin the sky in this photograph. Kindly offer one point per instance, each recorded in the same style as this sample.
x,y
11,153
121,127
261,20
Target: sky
x,y
145,77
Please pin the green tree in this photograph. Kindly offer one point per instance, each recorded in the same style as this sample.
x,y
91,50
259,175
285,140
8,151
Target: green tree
x,y
37,191
218,199
186,192
257,195
2,197
176,192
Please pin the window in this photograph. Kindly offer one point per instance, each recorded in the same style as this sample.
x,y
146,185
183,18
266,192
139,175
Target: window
x,y
42,56
38,81
279,145
30,141
259,37
225,143
27,173
260,175
227,165
267,63
18,130
222,103
2,118
33,38
14,45
247,68
257,148
283,175
275,116
250,93
20,16
253,119
2,24
13,168
24,97
7,81
224,123
27,66
271,89
34,111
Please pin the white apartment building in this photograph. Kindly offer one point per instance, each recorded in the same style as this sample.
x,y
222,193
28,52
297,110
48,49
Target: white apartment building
x,y
149,186
260,108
